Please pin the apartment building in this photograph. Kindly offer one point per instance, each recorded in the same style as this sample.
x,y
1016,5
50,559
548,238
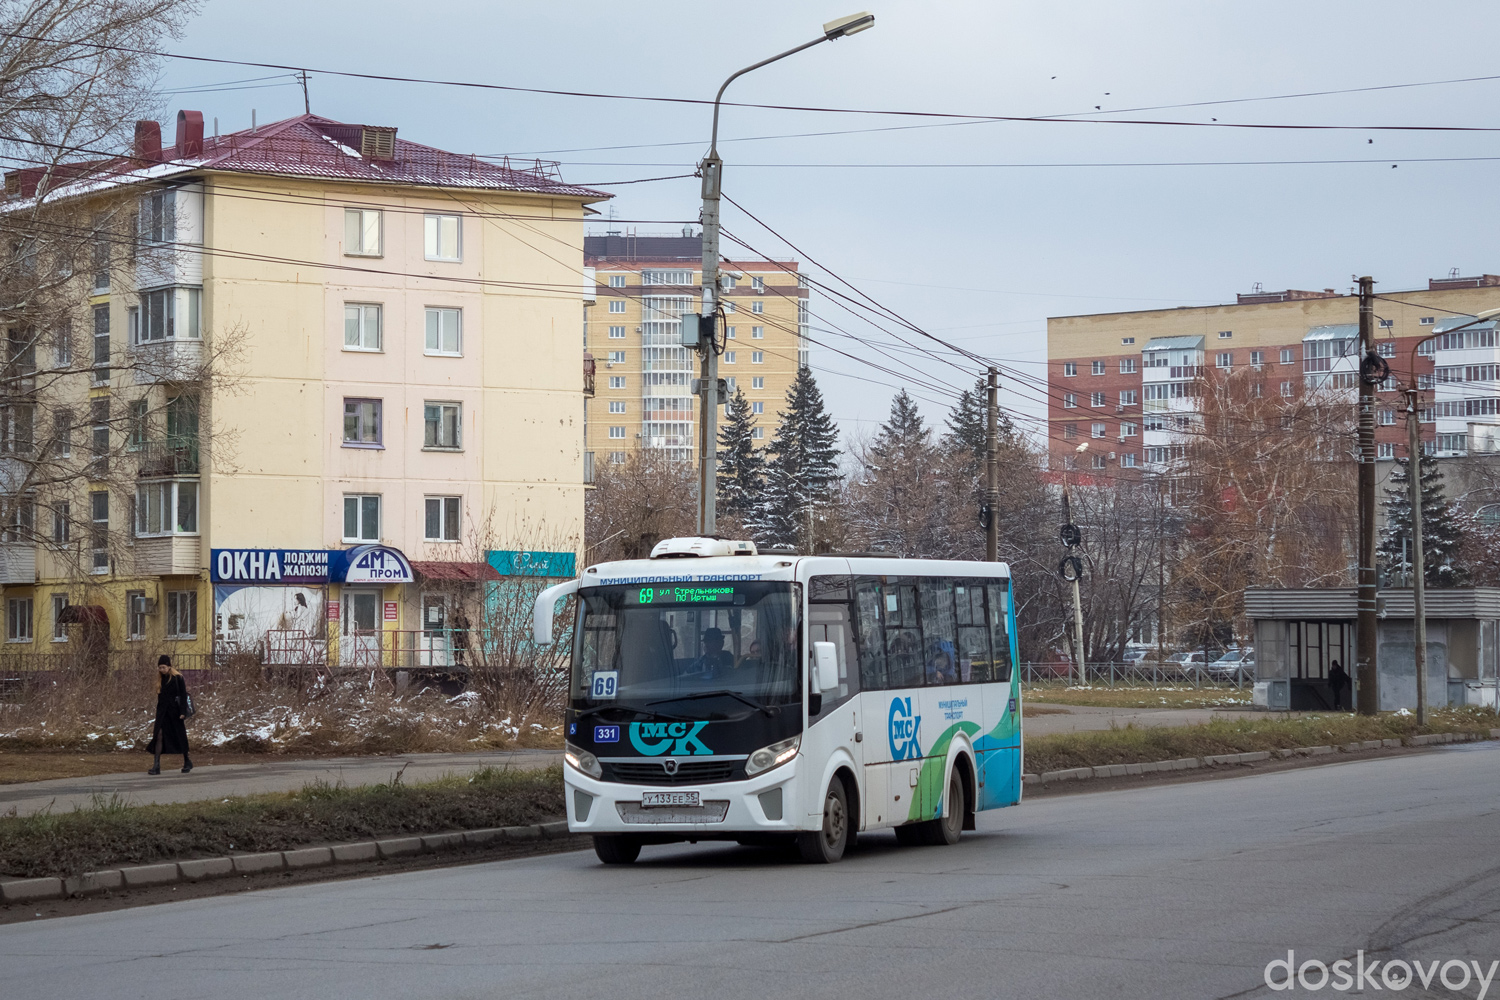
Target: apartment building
x,y
336,368
643,375
1125,381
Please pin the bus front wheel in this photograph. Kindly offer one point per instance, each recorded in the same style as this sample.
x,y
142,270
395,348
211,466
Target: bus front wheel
x,y
827,845
617,848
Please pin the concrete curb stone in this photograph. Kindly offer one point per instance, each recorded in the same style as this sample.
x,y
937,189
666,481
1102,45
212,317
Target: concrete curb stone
x,y
29,890
202,868
533,832
308,857
473,838
396,847
245,864
91,882
557,828
144,875
442,841
346,853
1390,743
1315,751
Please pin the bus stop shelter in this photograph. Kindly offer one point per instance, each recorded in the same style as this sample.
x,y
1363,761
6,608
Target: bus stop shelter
x,y
1299,633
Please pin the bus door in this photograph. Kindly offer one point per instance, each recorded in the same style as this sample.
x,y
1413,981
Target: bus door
x,y
839,723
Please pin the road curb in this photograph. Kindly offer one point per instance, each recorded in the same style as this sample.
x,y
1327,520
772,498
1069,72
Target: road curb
x,y
1229,759
31,890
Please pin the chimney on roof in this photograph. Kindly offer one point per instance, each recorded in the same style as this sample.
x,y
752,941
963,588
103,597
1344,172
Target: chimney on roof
x,y
377,142
189,134
147,148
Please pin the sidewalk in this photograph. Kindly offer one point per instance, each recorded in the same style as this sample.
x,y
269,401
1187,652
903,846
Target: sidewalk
x,y
1084,718
220,781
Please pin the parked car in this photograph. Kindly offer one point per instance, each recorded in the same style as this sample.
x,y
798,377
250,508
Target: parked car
x,y
1234,664
1133,657
1189,664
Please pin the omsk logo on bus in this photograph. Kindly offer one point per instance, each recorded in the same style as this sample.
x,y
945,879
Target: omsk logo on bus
x,y
904,730
676,736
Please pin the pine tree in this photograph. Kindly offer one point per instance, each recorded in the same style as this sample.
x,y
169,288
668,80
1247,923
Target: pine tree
x,y
1442,532
802,473
902,486
742,466
968,427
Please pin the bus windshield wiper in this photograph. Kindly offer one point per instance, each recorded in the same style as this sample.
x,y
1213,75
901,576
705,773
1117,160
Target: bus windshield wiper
x,y
600,709
769,710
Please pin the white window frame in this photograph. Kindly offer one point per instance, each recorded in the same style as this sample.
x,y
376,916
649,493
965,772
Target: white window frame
x,y
433,236
1096,368
757,433
617,406
617,433
617,281
19,622
156,318
617,357
1070,369
59,630
757,407
377,416
1130,397
438,339
757,333
1096,399
1070,400
361,511
729,357
616,305
360,314
99,531
1127,460
433,441
758,382
758,306
1127,429
757,357
179,601
617,381
362,226
1127,366
1288,356
617,333
758,283
166,507
1098,430
449,511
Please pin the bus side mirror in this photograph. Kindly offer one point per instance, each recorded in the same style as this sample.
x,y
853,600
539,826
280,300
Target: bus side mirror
x,y
544,608
826,662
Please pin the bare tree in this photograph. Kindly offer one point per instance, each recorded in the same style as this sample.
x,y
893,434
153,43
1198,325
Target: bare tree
x,y
636,503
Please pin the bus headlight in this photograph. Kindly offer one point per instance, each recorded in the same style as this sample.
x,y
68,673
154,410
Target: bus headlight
x,y
772,756
582,760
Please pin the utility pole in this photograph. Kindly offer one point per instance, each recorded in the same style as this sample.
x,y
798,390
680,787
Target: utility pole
x,y
1071,569
1365,630
992,468
706,336
306,103
1418,563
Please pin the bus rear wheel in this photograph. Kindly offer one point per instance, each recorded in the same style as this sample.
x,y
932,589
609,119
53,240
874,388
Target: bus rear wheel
x,y
617,848
827,845
947,828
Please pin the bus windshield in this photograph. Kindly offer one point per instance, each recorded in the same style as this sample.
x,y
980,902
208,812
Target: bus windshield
x,y
704,649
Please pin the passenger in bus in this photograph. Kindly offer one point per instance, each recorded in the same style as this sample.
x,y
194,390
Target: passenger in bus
x,y
941,668
752,660
716,661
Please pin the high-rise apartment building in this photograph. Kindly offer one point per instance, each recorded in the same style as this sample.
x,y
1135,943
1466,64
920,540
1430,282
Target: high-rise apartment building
x,y
333,377
643,375
1125,382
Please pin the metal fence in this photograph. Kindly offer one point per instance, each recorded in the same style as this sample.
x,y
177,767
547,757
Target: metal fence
x,y
1150,674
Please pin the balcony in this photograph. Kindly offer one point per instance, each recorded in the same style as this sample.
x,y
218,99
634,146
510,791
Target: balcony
x,y
169,360
18,563
168,555
166,459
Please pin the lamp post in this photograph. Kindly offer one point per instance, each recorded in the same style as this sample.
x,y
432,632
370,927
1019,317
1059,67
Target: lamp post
x,y
1414,488
705,337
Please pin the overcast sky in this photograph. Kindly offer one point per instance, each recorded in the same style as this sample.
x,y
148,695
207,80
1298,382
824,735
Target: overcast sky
x,y
978,255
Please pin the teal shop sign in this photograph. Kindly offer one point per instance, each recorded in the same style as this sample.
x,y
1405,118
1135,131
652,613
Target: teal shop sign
x,y
516,563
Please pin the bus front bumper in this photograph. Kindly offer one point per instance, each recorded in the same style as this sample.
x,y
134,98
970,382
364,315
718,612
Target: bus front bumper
x,y
766,803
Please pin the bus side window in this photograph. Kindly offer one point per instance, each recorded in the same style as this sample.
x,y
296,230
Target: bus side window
x,y
940,651
996,595
903,637
871,642
830,623
973,633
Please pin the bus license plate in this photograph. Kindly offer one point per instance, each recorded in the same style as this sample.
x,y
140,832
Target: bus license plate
x,y
651,799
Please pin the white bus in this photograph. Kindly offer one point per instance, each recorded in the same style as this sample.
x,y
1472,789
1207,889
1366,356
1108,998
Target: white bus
x,y
721,694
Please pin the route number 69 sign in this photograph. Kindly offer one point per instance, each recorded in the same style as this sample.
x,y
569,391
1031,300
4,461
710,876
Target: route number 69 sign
x,y
606,685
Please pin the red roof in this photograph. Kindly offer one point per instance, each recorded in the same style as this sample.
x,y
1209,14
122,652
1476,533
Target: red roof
x,y
464,572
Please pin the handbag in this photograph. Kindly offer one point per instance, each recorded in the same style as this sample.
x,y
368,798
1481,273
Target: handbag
x,y
191,710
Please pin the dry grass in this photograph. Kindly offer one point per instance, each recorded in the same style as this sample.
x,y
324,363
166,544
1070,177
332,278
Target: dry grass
x,y
248,710
1137,696
110,833
1134,746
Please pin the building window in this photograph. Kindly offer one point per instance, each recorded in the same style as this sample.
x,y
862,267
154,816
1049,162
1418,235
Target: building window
x,y
729,357
362,517
758,306
617,357
101,345
1127,430
1386,349
1385,449
617,333
616,305
1225,359
1387,324
618,433
62,434
1427,320
1129,397
1127,366
182,614
757,407
1225,334
166,508
22,525
1453,442
728,306
361,326
1070,400
167,314
1100,462
157,222
617,381
1098,430
442,520
59,630
62,344
99,531
758,382
362,423
1257,358
137,426
62,519
1070,431
617,281
757,357
1070,369
442,237
757,333
732,383
135,615
759,284
362,232
18,619
1286,390
617,458
1286,356
617,406
1096,399
1387,418
99,432
1097,368
1127,460
1258,390
757,433
730,332
442,426
444,335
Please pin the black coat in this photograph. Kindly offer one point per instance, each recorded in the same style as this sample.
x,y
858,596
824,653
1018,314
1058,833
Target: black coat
x,y
169,732
1338,678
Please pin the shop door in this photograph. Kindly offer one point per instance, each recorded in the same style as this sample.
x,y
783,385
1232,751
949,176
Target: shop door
x,y
436,647
359,645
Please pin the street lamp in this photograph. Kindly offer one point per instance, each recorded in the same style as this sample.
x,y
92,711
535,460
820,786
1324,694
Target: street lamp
x,y
705,337
1414,488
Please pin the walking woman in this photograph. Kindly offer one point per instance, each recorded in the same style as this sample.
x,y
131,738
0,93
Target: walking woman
x,y
169,734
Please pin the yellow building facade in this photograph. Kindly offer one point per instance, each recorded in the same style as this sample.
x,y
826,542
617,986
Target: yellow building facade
x,y
335,379
643,397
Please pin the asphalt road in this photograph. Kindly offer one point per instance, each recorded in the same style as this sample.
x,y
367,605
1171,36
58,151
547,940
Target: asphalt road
x,y
1183,890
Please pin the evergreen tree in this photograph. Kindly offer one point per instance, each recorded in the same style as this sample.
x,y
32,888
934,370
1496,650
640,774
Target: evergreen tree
x,y
968,427
1442,532
802,473
902,491
742,467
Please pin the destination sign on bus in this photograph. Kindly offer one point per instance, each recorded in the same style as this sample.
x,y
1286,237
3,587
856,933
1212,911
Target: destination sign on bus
x,y
667,593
